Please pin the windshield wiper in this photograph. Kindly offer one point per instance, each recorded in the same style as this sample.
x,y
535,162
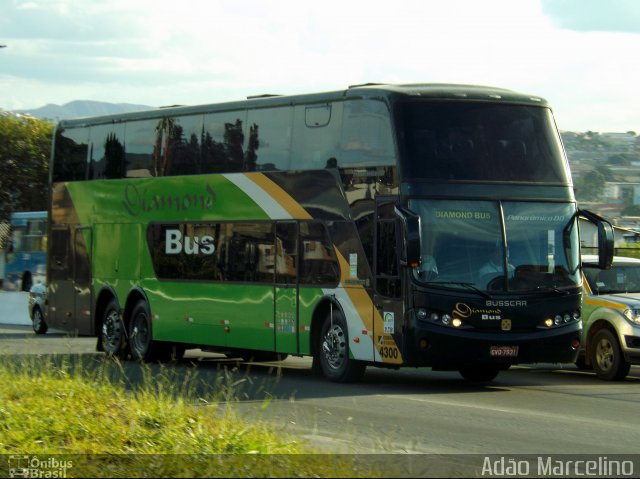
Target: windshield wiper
x,y
469,286
553,289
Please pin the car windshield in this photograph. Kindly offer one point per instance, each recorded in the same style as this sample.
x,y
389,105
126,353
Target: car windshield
x,y
621,278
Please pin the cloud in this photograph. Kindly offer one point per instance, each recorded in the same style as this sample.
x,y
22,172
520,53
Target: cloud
x,y
594,15
201,51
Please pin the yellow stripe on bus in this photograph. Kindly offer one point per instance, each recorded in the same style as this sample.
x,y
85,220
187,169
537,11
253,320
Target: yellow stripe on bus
x,y
279,195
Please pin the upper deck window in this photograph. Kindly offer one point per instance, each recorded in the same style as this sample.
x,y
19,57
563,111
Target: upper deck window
x,y
479,141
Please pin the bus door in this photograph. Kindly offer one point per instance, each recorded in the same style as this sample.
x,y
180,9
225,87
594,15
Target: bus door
x,y
388,287
69,279
82,279
286,287
60,287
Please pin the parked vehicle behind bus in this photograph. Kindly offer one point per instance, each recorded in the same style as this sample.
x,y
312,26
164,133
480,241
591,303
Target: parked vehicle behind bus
x,y
611,315
25,263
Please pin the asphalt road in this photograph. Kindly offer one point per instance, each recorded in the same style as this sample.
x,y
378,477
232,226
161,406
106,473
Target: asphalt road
x,y
548,409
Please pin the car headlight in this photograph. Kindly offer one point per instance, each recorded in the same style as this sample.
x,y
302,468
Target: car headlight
x,y
632,315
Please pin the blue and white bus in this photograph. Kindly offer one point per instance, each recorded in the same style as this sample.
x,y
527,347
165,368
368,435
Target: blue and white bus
x,y
26,252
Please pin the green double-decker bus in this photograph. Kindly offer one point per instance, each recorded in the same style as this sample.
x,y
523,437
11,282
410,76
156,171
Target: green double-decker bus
x,y
386,225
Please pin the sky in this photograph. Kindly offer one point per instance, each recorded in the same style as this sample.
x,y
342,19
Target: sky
x,y
583,56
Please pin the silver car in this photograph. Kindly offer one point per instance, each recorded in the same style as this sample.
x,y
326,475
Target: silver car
x,y
37,308
611,317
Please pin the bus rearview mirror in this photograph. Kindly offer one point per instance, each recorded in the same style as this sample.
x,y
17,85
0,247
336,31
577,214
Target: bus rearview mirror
x,y
412,236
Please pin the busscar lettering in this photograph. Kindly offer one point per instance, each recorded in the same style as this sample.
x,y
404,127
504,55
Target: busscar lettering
x,y
176,243
137,202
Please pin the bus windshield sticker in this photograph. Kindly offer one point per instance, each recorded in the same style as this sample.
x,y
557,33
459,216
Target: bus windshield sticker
x,y
353,265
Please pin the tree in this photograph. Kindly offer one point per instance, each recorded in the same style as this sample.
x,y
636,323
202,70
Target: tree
x,y
25,146
591,186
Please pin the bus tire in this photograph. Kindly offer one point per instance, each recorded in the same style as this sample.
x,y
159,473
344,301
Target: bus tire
x,y
38,322
606,357
113,337
143,347
332,352
480,373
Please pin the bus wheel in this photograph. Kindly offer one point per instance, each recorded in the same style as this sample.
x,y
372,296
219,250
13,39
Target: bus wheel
x,y
480,373
113,339
143,348
607,359
333,352
39,324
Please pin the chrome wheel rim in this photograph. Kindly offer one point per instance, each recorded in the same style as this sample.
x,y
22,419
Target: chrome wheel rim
x,y
37,320
604,354
112,332
334,347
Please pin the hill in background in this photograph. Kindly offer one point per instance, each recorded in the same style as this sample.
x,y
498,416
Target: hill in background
x,y
81,108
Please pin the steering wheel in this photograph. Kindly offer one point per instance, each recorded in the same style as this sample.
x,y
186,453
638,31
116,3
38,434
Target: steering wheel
x,y
496,284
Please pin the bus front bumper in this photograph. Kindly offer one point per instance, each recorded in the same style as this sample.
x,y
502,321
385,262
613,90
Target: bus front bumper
x,y
444,348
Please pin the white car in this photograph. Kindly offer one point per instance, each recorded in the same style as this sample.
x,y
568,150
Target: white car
x,y
611,317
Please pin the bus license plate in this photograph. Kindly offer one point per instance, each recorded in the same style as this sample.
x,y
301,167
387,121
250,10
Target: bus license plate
x,y
503,351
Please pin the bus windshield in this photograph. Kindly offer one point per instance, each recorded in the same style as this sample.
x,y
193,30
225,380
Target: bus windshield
x,y
474,141
463,245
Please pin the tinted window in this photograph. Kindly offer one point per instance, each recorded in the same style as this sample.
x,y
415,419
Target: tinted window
x,y
213,251
70,156
318,264
479,141
387,276
286,253
316,136
367,138
223,142
107,155
142,154
269,146
181,145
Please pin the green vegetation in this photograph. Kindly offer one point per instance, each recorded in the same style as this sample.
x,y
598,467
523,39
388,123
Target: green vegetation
x,y
166,424
25,146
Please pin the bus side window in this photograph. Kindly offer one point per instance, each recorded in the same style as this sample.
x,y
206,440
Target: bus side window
x,y
318,264
286,253
270,132
316,136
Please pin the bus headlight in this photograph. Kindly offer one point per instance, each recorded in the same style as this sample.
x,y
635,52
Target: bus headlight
x,y
632,315
561,319
444,319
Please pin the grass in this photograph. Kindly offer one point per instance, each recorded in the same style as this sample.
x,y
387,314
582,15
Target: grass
x,y
163,424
